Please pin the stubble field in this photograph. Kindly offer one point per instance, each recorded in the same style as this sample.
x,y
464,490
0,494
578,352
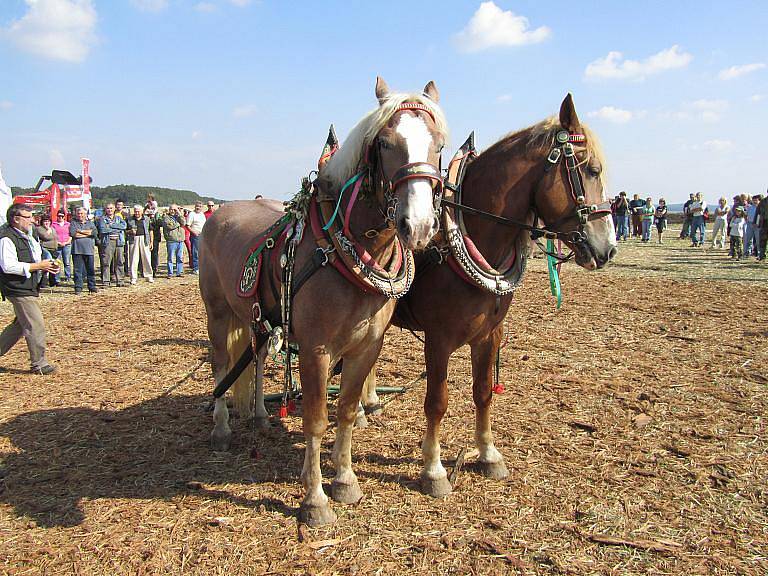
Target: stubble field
x,y
633,425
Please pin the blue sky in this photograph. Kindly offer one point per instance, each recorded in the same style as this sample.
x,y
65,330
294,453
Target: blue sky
x,y
232,98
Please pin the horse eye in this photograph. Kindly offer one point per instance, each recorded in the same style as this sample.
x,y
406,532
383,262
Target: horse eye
x,y
385,145
594,171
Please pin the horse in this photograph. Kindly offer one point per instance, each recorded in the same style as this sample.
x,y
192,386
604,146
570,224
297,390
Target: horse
x,y
552,171
345,281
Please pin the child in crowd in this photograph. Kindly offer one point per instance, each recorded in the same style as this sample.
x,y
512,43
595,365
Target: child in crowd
x,y
738,224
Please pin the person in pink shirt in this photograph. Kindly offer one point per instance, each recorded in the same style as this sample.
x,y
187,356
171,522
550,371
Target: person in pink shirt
x,y
64,250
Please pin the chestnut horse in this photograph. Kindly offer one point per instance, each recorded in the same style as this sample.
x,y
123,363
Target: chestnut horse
x,y
397,148
552,170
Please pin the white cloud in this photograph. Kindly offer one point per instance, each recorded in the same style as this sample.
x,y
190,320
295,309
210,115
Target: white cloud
x,y
150,5
245,111
56,29
491,26
56,158
717,145
6,104
205,7
742,70
614,65
504,98
709,110
757,97
615,115
240,3
196,135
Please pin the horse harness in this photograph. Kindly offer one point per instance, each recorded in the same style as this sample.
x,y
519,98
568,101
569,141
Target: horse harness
x,y
466,259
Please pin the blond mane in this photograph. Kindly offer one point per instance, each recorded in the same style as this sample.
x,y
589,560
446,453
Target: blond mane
x,y
344,163
540,137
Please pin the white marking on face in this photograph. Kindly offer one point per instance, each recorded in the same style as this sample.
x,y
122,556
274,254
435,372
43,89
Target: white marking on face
x,y
417,203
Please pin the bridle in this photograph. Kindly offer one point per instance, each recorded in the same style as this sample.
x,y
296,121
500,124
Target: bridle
x,y
582,212
410,171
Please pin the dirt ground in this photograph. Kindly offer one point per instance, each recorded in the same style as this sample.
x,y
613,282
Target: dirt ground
x,y
633,425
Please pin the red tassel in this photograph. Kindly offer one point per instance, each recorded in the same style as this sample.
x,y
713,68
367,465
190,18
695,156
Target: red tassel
x,y
291,406
498,389
283,412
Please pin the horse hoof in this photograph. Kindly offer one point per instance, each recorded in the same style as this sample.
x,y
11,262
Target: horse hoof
x,y
495,470
436,487
346,493
315,516
374,409
220,441
361,421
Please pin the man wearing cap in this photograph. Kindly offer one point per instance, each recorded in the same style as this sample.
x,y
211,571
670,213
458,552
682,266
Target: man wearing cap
x,y
195,222
211,209
21,269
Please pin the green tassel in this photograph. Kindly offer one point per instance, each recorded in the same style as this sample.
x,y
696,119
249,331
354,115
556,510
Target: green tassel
x,y
554,279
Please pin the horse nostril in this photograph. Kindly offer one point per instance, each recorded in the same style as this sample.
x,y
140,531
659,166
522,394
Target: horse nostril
x,y
612,253
404,226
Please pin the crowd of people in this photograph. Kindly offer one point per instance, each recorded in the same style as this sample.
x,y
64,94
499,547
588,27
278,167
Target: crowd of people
x,y
36,251
744,222
127,243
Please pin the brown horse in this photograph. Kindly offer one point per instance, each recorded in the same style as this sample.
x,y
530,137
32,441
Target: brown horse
x,y
335,314
552,170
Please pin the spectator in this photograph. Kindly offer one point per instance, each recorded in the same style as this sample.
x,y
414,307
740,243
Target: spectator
x,y
173,231
195,222
698,227
83,233
646,214
156,227
122,211
637,219
721,224
111,227
738,225
139,233
621,207
687,217
64,247
152,203
762,226
211,209
46,235
187,242
661,219
21,265
750,232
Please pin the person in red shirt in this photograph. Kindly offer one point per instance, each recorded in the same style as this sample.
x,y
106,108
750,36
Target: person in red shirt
x,y
211,209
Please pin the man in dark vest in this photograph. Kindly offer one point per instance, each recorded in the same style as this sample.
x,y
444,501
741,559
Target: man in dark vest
x,y
21,269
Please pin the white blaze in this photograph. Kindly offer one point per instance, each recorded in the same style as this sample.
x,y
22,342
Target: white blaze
x,y
417,203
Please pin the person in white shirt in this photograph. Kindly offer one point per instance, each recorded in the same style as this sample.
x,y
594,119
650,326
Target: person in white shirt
x,y
721,225
697,208
6,197
21,270
738,225
195,223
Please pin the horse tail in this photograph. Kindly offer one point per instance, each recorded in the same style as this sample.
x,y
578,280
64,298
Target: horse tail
x,y
238,337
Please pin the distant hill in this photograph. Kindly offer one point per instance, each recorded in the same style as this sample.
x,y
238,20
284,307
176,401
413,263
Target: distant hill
x,y
131,194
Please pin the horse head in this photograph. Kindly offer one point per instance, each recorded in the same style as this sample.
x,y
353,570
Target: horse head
x,y
406,150
570,197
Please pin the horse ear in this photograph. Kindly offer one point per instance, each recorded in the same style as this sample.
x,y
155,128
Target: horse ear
x,y
382,90
430,91
568,118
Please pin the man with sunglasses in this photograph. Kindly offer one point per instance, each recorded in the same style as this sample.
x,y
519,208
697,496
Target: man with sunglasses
x,y
21,270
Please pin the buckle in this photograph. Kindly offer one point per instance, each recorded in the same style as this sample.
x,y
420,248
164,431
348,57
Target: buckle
x,y
568,150
554,156
372,233
269,243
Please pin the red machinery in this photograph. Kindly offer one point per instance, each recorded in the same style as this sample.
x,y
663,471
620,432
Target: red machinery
x,y
64,188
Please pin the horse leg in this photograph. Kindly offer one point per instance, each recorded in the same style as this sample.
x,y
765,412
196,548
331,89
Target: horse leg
x,y
218,328
434,479
260,416
345,487
483,358
313,368
371,402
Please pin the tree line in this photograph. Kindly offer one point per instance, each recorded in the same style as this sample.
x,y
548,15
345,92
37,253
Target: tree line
x,y
131,194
